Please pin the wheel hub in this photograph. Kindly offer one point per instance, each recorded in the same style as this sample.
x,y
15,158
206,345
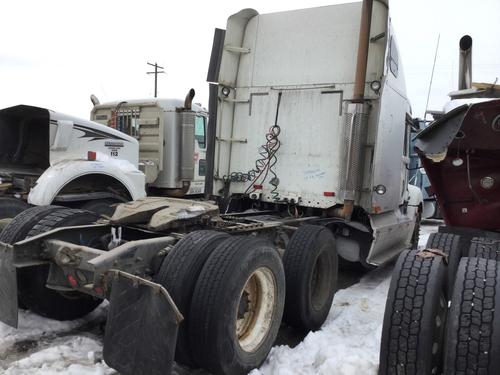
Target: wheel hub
x,y
255,309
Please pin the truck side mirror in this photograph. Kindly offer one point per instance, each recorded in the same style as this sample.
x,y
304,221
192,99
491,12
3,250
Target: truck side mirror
x,y
63,135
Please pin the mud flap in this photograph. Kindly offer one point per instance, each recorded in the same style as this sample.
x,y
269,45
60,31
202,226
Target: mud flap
x,y
8,286
142,325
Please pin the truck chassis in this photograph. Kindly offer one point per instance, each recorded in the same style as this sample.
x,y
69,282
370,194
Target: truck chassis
x,y
122,259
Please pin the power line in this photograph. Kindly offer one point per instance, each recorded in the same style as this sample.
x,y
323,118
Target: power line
x,y
156,72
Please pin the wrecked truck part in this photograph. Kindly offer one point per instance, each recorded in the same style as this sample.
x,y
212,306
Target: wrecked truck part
x,y
237,306
465,176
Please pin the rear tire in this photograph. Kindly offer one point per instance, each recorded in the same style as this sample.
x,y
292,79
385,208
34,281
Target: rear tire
x,y
9,208
20,226
178,274
32,292
450,245
311,271
473,331
237,306
415,315
482,247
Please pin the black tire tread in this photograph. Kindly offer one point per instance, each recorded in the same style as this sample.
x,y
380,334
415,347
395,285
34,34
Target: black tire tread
x,y
227,260
53,220
449,244
473,320
208,285
178,274
482,247
293,262
19,227
445,242
414,282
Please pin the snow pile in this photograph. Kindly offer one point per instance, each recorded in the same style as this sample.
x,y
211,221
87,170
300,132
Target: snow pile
x,y
73,355
45,346
349,341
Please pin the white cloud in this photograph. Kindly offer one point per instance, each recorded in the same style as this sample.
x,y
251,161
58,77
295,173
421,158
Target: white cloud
x,y
55,53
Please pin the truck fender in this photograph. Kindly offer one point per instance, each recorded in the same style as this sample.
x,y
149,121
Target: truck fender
x,y
415,198
56,177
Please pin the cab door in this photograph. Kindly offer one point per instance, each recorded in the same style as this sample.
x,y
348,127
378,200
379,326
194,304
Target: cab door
x,y
200,150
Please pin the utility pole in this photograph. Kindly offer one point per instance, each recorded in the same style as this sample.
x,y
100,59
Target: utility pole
x,y
156,72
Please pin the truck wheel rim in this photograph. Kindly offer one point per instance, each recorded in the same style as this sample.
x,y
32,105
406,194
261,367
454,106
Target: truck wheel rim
x,y
255,309
320,280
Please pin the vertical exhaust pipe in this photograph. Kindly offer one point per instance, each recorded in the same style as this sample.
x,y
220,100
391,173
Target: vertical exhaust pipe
x,y
355,120
188,102
362,58
465,63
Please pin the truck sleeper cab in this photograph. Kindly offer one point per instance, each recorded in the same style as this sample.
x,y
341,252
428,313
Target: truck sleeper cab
x,y
289,134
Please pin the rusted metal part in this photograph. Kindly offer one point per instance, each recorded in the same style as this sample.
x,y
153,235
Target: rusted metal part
x,y
161,213
363,44
431,253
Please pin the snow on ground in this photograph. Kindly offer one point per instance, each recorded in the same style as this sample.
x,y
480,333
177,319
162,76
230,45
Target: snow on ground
x,y
44,346
348,343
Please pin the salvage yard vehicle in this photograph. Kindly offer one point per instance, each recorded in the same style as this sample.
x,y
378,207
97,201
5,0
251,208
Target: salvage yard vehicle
x,y
442,313
157,147
298,174
172,141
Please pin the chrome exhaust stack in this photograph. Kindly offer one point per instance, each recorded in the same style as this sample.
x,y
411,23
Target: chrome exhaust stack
x,y
465,63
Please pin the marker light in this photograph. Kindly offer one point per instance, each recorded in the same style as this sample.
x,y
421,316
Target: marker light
x,y
380,189
375,85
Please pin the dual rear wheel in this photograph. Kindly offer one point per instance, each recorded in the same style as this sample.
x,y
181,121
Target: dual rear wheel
x,y
235,290
443,309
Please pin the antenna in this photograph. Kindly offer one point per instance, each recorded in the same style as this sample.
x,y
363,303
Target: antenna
x,y
156,72
432,76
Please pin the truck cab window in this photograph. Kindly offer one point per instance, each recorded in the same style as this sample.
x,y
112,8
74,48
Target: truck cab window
x,y
199,131
393,57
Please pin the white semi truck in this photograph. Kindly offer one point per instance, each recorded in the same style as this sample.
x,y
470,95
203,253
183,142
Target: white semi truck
x,y
157,146
306,159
